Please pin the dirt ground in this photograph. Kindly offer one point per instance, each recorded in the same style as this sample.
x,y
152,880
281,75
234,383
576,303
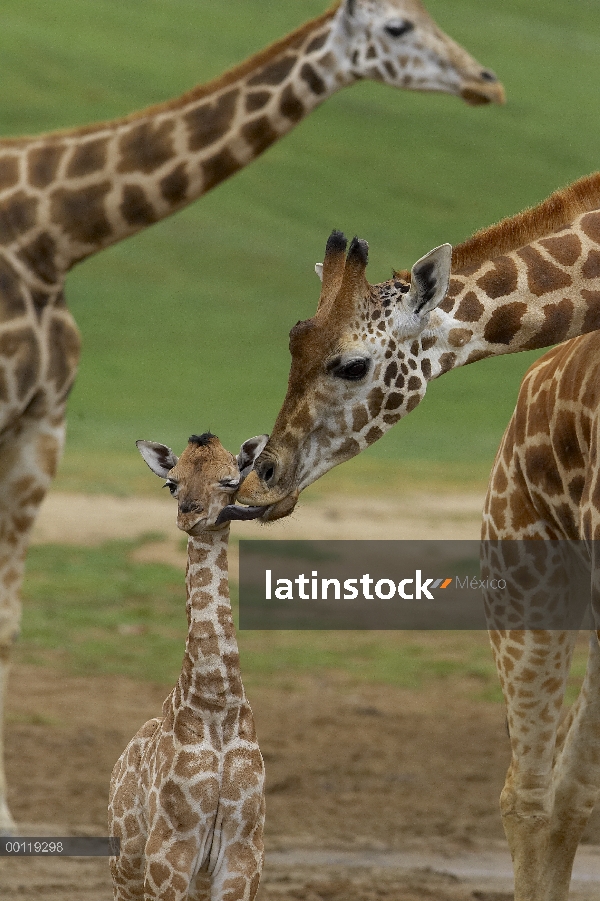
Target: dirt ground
x,y
398,784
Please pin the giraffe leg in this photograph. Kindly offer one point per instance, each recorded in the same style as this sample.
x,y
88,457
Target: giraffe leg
x,y
533,667
238,876
29,455
200,888
576,781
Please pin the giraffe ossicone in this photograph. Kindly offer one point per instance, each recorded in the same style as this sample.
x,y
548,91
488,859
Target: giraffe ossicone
x,y
67,195
187,794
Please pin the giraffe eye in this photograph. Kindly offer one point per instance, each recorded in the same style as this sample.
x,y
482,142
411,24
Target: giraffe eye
x,y
229,483
171,485
352,370
399,27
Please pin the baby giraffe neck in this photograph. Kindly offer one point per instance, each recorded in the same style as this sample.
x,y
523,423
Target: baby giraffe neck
x,y
210,676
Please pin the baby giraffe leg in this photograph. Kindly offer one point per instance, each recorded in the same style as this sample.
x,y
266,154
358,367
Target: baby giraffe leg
x,y
237,877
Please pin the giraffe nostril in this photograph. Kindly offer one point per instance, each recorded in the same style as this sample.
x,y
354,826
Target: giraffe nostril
x,y
266,471
488,75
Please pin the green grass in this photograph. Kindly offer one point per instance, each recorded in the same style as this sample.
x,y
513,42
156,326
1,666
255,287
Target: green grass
x,y
185,326
95,611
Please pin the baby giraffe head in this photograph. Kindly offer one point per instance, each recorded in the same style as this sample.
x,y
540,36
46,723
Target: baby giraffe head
x,y
205,479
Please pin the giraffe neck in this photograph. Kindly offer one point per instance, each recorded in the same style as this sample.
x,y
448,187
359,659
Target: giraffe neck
x,y
67,195
541,294
210,676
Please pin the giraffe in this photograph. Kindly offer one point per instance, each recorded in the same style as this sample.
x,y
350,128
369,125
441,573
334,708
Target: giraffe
x,y
545,484
67,195
364,361
187,794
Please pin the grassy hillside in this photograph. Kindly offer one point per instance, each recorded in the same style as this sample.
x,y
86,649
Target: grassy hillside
x,y
185,326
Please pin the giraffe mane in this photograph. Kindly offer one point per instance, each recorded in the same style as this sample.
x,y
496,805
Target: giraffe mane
x,y
557,211
197,93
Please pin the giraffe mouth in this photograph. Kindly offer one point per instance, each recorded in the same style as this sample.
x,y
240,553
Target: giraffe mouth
x,y
234,511
477,93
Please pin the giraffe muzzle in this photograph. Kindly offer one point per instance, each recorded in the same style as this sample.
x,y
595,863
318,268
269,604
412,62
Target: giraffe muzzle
x,y
485,89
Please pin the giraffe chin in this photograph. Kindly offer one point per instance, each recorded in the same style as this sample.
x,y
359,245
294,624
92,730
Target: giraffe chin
x,y
281,508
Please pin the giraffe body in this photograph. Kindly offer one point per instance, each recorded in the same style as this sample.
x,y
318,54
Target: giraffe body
x,y
545,484
187,794
67,195
363,362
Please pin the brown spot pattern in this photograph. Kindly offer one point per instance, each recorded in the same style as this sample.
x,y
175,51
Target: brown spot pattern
x,y
591,267
458,337
349,448
17,216
541,469
21,348
9,171
375,401
135,207
360,418
146,147
591,320
501,280
317,42
174,186
470,309
219,167
11,300
590,224
209,122
455,286
373,435
394,401
447,361
255,100
40,256
42,164
543,276
504,323
88,157
557,321
290,106
259,134
565,248
274,73
81,213
312,79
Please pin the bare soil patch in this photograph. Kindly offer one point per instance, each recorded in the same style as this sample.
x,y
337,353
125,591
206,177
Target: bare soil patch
x,y
368,769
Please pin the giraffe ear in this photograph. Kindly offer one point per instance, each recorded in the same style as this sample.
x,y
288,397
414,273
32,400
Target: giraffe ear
x,y
249,451
159,457
319,271
430,277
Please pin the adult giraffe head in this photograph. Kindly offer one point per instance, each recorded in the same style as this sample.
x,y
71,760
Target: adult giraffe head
x,y
398,42
357,368
365,358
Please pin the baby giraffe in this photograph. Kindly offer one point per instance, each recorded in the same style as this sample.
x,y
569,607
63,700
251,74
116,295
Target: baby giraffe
x,y
187,794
